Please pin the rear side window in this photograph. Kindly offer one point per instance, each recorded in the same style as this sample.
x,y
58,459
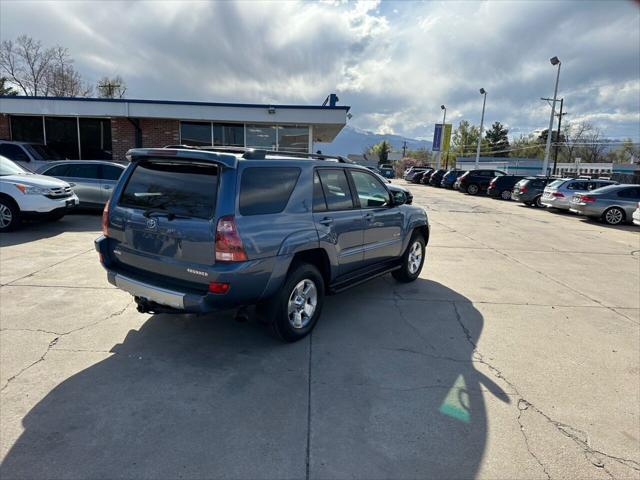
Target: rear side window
x,y
109,172
578,186
181,188
319,203
265,190
632,193
336,189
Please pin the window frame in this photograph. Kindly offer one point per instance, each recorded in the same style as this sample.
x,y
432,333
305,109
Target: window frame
x,y
354,188
354,206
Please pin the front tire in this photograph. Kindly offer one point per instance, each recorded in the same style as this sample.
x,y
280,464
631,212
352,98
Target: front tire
x,y
613,216
9,215
412,260
473,189
293,312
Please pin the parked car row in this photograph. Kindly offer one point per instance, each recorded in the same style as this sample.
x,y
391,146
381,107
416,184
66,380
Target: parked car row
x,y
54,189
597,198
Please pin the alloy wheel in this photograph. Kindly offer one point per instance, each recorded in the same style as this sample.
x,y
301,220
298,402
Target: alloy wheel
x,y
614,216
302,303
415,257
6,216
506,195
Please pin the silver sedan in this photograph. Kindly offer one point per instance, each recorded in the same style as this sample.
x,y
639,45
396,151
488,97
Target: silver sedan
x,y
613,204
558,194
91,180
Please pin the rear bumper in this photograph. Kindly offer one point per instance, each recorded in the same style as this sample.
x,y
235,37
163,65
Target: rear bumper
x,y
561,203
586,210
249,282
636,217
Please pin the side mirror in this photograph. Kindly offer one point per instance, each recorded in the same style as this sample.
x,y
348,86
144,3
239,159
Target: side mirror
x,y
399,198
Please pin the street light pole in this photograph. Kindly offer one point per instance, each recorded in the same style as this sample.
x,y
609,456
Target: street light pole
x,y
555,157
545,164
444,119
484,102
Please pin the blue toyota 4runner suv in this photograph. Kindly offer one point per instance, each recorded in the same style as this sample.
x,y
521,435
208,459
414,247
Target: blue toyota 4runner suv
x,y
200,230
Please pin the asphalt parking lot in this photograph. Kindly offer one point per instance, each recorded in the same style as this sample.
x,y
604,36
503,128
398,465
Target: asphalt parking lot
x,y
515,355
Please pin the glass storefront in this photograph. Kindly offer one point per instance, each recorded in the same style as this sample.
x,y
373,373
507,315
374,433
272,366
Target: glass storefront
x,y
27,129
95,138
262,136
197,134
294,139
62,136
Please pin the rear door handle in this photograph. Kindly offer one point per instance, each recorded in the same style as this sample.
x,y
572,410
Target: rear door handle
x,y
107,187
369,217
326,221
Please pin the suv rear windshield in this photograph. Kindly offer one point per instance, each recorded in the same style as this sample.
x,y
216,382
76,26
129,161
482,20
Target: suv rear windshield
x,y
181,188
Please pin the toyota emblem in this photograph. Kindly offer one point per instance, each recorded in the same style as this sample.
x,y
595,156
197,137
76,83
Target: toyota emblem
x,y
152,223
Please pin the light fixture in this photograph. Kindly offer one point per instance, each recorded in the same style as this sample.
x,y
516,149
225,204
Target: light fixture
x,y
482,91
554,61
442,107
271,109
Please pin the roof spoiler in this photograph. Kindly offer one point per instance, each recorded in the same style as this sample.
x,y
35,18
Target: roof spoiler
x,y
259,154
183,154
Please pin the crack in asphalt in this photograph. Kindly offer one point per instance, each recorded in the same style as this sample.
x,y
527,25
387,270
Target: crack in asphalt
x,y
579,437
44,268
53,342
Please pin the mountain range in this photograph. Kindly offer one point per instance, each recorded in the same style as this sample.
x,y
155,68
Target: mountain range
x,y
355,140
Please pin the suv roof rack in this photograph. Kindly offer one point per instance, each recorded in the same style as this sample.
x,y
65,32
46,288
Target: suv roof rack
x,y
259,154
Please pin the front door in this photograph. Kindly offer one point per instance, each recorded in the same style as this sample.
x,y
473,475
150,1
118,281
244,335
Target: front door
x,y
382,221
85,178
338,221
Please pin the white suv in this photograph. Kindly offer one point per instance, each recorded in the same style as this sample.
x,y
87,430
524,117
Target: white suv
x,y
24,194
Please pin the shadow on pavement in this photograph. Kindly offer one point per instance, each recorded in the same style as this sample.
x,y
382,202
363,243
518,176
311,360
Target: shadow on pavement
x,y
33,230
394,394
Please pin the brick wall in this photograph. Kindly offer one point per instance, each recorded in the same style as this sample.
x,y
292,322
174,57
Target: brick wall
x,y
5,133
155,133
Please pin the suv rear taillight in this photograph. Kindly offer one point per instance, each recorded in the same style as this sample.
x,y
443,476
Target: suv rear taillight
x,y
105,220
523,188
228,242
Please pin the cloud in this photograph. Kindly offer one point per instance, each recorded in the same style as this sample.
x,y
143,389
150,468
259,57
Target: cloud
x,y
394,63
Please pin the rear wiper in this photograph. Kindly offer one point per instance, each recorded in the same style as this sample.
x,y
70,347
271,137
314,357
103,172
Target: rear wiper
x,y
160,211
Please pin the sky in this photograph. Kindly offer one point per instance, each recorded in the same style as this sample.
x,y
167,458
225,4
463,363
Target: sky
x,y
393,62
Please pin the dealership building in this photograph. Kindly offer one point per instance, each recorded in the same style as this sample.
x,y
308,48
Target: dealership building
x,y
95,128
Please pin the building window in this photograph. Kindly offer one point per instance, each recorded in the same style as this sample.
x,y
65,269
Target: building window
x,y
295,139
62,136
27,129
95,138
262,136
228,134
195,133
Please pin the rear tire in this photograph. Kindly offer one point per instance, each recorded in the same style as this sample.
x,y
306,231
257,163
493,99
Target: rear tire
x,y
412,260
293,311
614,216
538,201
505,195
473,189
9,215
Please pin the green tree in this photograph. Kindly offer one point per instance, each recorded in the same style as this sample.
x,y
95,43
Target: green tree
x,y
422,156
527,147
382,149
498,140
6,89
464,141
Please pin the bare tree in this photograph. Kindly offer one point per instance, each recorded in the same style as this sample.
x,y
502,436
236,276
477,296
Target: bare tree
x,y
26,63
35,70
574,134
594,150
63,80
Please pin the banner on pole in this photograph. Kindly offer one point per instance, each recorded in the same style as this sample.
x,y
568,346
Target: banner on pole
x,y
441,137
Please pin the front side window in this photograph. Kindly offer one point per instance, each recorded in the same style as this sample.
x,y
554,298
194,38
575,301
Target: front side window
x,y
180,188
265,190
371,192
197,134
13,152
336,189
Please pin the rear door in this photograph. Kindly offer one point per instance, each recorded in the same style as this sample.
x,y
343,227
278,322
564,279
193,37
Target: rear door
x,y
85,178
338,220
163,221
109,176
382,221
